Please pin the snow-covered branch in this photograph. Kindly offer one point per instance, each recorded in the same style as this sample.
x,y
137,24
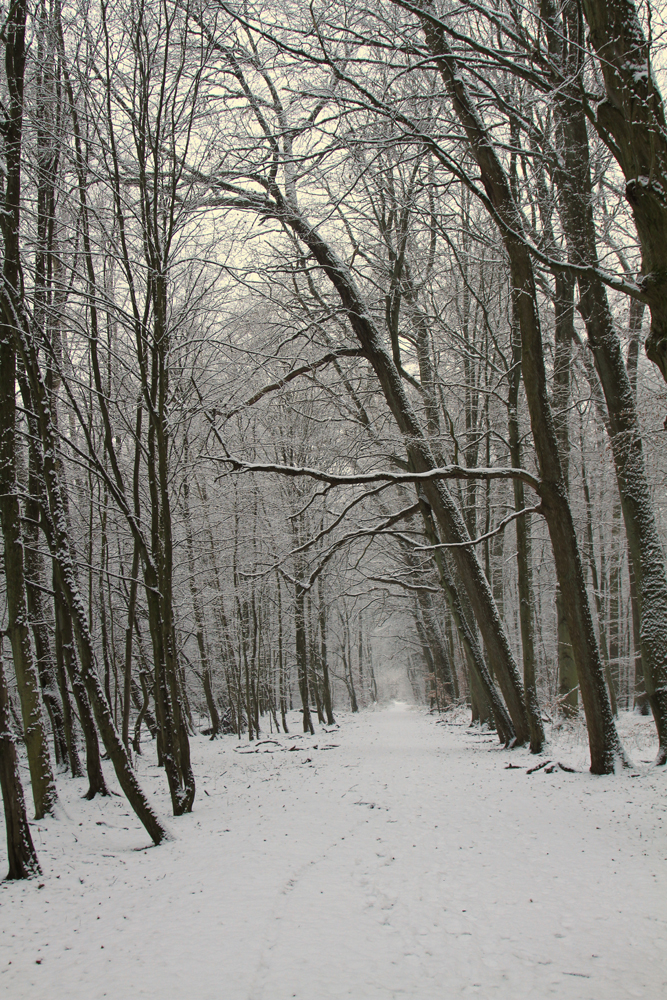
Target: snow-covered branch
x,y
391,478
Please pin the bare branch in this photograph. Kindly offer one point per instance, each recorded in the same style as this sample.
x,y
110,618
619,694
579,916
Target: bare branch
x,y
482,538
391,478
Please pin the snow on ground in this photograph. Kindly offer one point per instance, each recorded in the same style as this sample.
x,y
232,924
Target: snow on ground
x,y
395,857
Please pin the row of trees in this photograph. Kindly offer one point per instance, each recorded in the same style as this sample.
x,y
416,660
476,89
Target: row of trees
x,y
306,316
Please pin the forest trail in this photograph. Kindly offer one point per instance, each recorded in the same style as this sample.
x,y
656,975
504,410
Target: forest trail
x,y
393,857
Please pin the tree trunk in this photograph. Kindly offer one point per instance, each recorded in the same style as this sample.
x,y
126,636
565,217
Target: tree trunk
x,y
590,547
41,775
302,655
314,656
568,681
631,122
197,609
326,682
21,853
615,603
37,613
281,659
66,656
484,695
523,555
169,696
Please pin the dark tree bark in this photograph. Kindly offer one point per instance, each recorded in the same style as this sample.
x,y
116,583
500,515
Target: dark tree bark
x,y
597,594
324,660
524,557
484,694
21,853
66,752
68,668
41,775
568,682
302,655
631,121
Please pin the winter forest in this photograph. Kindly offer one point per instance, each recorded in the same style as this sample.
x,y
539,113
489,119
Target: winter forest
x,y
333,350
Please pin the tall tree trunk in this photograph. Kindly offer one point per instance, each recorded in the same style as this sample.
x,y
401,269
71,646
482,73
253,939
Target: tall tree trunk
x,y
326,682
427,657
41,775
524,555
102,604
129,633
640,698
615,604
63,736
484,694
576,191
134,585
360,661
47,295
631,121
314,656
197,608
281,660
347,674
21,853
176,746
67,667
590,547
568,681
302,655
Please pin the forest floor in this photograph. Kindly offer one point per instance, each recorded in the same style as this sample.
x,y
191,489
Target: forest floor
x,y
397,856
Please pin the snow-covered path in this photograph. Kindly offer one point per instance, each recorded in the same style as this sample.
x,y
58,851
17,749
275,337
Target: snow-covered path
x,y
395,857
